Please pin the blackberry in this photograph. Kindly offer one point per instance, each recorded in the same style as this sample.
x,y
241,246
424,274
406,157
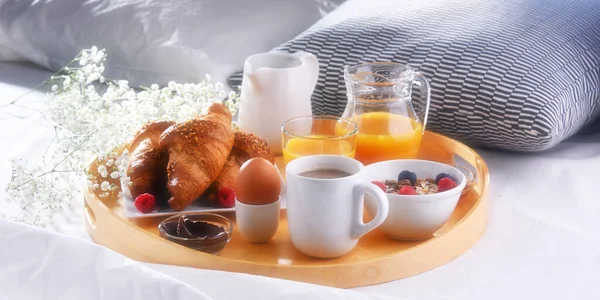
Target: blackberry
x,y
407,174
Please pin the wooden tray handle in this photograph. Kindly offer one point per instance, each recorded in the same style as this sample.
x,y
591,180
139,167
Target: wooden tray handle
x,y
90,216
476,162
95,212
482,171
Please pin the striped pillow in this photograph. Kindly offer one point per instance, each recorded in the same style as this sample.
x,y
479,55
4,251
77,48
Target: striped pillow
x,y
512,74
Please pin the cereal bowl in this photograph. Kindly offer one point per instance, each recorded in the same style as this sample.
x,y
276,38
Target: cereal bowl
x,y
415,217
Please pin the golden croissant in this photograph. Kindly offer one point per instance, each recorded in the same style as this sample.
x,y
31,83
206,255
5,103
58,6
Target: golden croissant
x,y
197,151
245,147
147,163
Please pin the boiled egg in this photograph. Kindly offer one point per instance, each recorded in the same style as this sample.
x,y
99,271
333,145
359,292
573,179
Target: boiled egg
x,y
258,182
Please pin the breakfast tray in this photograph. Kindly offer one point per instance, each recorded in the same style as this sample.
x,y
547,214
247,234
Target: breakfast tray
x,y
376,258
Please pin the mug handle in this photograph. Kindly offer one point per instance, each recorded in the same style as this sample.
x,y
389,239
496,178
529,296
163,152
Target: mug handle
x,y
360,229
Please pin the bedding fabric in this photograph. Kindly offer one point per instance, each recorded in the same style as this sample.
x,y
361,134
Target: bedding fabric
x,y
153,41
6,53
40,264
539,244
517,75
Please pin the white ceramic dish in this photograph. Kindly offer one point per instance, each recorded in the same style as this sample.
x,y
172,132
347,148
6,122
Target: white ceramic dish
x,y
132,212
415,217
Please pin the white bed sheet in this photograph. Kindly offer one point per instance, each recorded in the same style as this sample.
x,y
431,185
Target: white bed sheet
x,y
40,264
542,241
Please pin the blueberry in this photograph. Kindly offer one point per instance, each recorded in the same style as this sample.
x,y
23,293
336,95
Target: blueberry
x,y
443,175
406,174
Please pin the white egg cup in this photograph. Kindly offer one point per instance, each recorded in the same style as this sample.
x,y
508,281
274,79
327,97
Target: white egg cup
x,y
257,223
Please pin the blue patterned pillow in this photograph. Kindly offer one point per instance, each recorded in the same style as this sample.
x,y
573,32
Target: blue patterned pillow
x,y
513,74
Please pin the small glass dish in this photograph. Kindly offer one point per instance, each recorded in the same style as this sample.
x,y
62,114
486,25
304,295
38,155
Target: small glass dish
x,y
470,176
212,244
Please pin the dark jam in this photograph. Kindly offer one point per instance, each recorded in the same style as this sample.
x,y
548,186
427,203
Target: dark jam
x,y
186,228
200,235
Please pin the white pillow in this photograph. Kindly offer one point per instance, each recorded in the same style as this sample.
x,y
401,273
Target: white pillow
x,y
6,53
154,41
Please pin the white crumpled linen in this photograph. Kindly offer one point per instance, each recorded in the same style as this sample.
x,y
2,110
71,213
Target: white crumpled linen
x,y
41,264
153,41
227,285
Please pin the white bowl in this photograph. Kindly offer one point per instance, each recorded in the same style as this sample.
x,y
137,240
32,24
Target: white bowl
x,y
414,217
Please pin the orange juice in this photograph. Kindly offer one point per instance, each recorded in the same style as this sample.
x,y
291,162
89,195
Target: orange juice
x,y
384,136
315,144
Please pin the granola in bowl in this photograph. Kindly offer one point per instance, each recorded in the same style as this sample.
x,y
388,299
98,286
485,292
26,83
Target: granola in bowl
x,y
408,184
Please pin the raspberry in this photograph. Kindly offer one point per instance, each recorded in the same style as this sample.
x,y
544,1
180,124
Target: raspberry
x,y
380,184
145,202
407,190
226,197
442,175
446,184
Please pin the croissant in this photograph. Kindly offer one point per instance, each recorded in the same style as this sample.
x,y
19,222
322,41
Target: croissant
x,y
245,147
146,167
197,151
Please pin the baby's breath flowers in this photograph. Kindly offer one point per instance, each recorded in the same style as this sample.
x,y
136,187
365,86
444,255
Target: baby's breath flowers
x,y
94,117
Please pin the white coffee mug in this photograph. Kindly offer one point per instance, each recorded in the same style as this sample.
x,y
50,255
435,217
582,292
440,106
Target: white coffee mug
x,y
325,215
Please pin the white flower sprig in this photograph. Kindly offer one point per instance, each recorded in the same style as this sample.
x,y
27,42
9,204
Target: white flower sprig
x,y
94,116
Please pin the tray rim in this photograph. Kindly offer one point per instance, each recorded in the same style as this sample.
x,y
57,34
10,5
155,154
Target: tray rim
x,y
481,203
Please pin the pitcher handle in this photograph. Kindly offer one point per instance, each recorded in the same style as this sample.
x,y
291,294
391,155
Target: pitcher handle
x,y
312,64
425,91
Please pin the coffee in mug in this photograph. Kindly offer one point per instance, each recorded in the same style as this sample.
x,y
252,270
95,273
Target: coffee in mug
x,y
325,173
325,202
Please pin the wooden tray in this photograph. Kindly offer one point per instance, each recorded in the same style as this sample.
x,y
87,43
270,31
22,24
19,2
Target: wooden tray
x,y
376,259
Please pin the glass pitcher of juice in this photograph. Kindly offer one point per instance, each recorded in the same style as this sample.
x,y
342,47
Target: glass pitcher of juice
x,y
390,124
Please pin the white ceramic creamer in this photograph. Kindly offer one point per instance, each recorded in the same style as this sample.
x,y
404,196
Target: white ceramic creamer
x,y
276,87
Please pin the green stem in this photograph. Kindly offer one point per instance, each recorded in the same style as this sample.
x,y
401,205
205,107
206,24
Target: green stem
x,y
39,85
53,168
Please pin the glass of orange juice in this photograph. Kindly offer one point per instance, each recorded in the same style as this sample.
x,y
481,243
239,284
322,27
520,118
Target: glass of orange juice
x,y
380,101
312,135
